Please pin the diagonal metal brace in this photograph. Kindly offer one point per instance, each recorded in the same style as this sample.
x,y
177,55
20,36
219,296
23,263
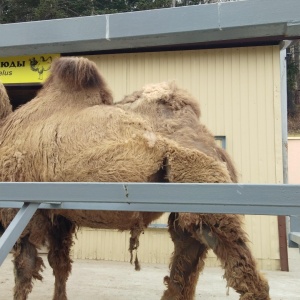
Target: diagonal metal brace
x,y
294,239
15,228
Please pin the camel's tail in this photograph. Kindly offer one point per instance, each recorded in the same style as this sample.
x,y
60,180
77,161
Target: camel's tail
x,y
79,73
5,106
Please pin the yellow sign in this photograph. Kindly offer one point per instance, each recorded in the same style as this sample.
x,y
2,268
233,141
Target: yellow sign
x,y
26,69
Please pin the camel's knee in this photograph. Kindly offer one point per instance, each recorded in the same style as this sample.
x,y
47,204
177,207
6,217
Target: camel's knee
x,y
27,266
27,263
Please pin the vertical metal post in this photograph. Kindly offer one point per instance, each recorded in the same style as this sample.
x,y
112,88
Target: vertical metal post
x,y
15,228
284,111
282,227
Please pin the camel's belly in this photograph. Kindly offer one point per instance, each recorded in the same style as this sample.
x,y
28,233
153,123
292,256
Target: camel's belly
x,y
121,220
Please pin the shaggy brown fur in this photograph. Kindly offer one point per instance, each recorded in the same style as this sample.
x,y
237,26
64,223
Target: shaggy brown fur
x,y
5,106
71,132
174,114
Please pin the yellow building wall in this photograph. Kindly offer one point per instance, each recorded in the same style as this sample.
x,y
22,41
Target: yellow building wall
x,y
239,94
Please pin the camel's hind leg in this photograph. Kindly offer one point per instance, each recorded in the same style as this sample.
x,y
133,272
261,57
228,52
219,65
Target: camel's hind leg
x,y
60,242
187,263
224,234
27,266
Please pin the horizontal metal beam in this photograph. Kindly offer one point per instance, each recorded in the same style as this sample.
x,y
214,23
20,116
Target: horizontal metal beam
x,y
255,199
165,197
213,23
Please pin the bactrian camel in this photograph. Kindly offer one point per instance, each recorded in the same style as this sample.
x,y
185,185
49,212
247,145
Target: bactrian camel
x,y
72,132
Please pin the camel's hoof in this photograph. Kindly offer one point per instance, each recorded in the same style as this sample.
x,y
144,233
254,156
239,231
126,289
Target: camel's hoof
x,y
251,296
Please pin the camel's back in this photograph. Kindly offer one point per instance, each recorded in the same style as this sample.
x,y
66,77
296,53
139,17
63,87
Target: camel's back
x,y
98,143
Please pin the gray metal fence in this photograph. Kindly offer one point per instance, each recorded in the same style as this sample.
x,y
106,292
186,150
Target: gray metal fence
x,y
255,199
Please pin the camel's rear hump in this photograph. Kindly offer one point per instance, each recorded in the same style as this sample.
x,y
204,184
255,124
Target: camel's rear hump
x,y
174,113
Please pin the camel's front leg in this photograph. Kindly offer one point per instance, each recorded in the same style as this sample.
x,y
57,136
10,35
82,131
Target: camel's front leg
x,y
224,234
27,263
187,262
27,266
60,242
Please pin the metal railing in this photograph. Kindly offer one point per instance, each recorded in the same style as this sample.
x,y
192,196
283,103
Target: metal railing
x,y
255,199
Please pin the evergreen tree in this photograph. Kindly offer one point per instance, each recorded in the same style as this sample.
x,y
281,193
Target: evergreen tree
x,y
13,11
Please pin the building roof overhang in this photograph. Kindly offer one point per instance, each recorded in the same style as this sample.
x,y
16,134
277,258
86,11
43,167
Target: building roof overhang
x,y
211,25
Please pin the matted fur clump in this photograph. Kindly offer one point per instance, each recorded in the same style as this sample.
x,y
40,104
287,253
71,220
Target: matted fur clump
x,y
72,132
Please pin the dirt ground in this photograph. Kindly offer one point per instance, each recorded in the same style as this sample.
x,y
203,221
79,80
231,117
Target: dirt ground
x,y
108,280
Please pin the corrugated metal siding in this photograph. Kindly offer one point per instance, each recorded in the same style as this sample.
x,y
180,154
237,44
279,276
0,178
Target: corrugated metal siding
x,y
239,93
